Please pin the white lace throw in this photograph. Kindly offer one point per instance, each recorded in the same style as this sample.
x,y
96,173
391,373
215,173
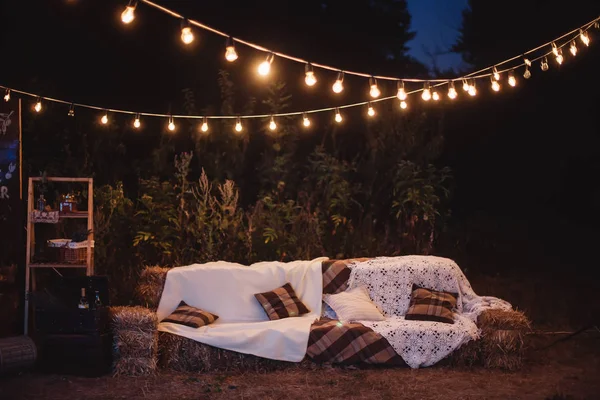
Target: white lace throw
x,y
389,281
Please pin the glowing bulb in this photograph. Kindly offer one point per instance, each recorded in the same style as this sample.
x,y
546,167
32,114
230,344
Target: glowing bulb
x,y
426,95
265,67
136,122
230,54
374,92
128,15
371,111
71,111
401,92
338,86
38,106
452,91
496,74
435,96
554,50
559,59
104,119
403,105
495,86
204,126
305,121
573,48
466,85
544,64
527,62
238,125
338,116
512,81
187,36
310,79
171,125
585,39
272,124
472,90
527,73
7,95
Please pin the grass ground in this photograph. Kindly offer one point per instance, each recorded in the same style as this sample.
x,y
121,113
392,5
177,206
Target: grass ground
x,y
566,370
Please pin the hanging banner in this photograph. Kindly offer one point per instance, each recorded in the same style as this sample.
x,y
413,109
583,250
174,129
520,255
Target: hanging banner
x,y
10,181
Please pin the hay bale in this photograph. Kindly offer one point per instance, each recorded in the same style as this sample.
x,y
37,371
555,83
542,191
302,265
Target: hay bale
x,y
186,355
151,285
467,355
503,348
135,345
503,320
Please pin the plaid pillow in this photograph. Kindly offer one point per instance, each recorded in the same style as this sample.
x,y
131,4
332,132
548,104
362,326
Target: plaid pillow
x,y
281,303
190,316
336,274
429,305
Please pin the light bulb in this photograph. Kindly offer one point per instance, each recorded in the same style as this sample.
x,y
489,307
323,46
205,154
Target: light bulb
x,y
585,39
554,50
374,92
204,126
512,81
238,125
559,58
38,106
403,105
272,124
371,111
136,122
129,14
435,96
187,36
7,95
466,85
171,125
265,67
452,91
496,74
338,86
426,95
401,92
230,54
305,121
104,119
310,79
472,90
527,62
71,111
338,116
544,64
573,48
495,86
527,73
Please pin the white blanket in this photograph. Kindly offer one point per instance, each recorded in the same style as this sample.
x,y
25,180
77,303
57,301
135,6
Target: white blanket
x,y
227,290
421,343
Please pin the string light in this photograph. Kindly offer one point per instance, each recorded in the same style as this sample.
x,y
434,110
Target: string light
x,y
187,36
403,105
472,89
171,125
496,74
401,91
71,110
512,81
338,116
554,49
230,53
544,64
573,48
426,95
38,105
7,95
451,90
371,111
305,120
495,85
204,126
559,57
129,14
310,79
435,96
136,122
265,67
527,73
466,85
585,39
272,124
527,62
104,119
238,125
338,86
374,92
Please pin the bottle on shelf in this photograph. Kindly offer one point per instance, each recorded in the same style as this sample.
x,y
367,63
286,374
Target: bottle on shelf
x,y
97,302
83,302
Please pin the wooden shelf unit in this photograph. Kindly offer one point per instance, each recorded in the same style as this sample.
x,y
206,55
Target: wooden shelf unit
x,y
31,267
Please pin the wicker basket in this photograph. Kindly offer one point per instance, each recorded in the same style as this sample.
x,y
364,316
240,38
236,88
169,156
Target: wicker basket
x,y
72,256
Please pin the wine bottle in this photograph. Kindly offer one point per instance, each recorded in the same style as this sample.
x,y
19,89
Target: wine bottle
x,y
83,302
97,301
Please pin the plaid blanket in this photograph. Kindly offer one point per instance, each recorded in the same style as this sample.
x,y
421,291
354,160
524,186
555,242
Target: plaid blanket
x,y
331,341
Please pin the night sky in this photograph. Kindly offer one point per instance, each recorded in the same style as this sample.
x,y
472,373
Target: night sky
x,y
436,23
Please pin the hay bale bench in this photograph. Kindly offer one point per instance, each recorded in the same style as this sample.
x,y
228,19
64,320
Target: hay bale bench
x,y
140,349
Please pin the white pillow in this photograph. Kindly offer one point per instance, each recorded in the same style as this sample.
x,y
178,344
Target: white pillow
x,y
354,304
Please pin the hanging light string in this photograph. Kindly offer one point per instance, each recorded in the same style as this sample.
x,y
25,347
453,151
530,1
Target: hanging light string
x,y
491,71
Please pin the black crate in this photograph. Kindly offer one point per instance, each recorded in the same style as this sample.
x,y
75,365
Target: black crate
x,y
71,320
81,355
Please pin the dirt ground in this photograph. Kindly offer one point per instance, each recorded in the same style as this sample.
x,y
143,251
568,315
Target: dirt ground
x,y
566,370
